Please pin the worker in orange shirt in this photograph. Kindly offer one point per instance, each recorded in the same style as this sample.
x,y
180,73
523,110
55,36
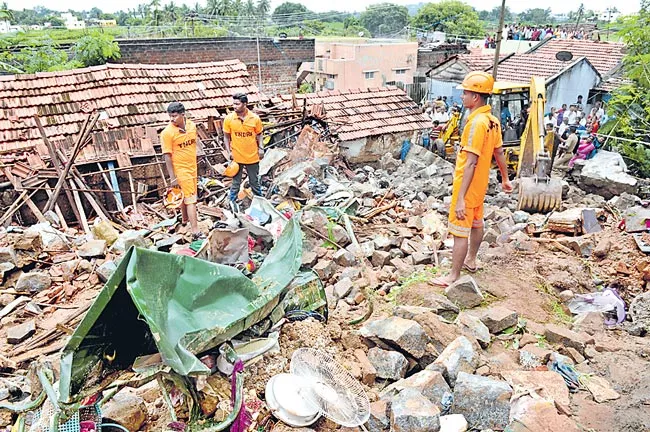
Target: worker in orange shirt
x,y
480,141
242,131
179,145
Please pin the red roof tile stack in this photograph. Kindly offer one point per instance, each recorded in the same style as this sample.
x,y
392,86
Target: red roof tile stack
x,y
367,112
130,95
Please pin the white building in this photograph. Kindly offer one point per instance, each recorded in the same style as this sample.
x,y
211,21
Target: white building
x,y
607,15
4,27
71,21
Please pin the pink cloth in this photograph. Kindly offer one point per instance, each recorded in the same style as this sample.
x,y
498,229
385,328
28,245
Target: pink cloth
x,y
584,149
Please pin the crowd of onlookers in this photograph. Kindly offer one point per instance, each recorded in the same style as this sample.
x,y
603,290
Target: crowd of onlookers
x,y
532,33
571,130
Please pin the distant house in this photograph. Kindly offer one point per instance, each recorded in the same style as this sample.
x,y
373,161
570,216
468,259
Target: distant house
x,y
5,26
102,23
342,66
72,22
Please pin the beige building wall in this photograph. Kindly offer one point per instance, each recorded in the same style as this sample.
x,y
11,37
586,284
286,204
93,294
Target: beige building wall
x,y
342,66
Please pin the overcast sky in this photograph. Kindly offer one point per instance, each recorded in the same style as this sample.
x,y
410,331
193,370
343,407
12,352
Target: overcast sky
x,y
557,6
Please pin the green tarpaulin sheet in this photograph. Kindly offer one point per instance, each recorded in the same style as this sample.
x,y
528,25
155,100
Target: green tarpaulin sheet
x,y
176,305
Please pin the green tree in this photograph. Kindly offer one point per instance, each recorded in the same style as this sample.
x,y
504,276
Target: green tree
x,y
384,18
5,13
629,108
171,12
96,48
263,7
55,21
249,8
95,13
452,16
536,16
43,58
155,12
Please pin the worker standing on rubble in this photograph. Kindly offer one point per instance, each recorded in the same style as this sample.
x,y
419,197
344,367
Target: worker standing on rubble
x,y
179,143
242,131
481,139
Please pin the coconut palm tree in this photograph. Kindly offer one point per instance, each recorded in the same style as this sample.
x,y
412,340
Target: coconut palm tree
x,y
249,8
263,7
155,6
5,13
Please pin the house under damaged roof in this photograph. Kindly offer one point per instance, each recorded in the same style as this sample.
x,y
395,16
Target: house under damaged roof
x,y
369,122
128,97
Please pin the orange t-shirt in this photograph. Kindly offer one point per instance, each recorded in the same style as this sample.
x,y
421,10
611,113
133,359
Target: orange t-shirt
x,y
243,136
182,148
481,135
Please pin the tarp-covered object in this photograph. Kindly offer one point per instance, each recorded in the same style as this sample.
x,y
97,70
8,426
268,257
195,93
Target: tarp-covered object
x,y
176,305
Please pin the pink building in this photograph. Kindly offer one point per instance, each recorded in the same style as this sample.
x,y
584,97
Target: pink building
x,y
342,66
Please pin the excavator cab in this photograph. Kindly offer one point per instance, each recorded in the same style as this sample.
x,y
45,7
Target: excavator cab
x,y
521,110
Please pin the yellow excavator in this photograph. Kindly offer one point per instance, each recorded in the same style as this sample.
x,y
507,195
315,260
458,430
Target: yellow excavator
x,y
524,143
445,145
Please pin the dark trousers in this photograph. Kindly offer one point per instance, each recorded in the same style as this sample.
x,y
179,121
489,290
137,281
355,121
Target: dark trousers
x,y
253,172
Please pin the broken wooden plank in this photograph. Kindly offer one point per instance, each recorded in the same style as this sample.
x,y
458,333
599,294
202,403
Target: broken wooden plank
x,y
13,305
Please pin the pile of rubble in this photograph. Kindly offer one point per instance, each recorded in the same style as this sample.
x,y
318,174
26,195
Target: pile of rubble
x,y
369,233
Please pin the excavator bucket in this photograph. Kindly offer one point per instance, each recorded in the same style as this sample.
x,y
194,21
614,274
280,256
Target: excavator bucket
x,y
539,196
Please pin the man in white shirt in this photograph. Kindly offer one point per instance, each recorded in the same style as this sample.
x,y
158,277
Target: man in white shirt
x,y
600,112
441,115
573,115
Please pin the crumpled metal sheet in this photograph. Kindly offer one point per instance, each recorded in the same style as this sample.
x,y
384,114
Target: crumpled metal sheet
x,y
176,305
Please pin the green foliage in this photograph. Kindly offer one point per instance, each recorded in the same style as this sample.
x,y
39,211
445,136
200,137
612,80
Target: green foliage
x,y
629,108
95,49
559,313
412,279
46,56
536,16
282,13
452,16
305,88
384,18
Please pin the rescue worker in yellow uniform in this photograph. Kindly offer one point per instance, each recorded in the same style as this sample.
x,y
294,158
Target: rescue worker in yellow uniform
x,y
179,144
242,131
480,141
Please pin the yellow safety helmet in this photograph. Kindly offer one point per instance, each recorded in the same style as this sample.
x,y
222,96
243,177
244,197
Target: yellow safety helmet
x,y
174,197
232,169
478,82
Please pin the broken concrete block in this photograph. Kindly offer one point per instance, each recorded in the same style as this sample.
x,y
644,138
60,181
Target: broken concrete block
x,y
390,365
473,327
453,423
325,269
559,335
534,414
29,241
33,282
600,389
602,248
459,356
343,287
532,356
464,292
498,318
309,258
431,384
106,270
490,236
606,175
382,242
344,258
127,409
380,258
368,371
379,418
8,255
440,333
412,412
547,384
92,249
520,216
21,332
406,335
484,402
415,222
421,258
440,305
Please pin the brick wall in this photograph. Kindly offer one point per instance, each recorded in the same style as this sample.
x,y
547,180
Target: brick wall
x,y
279,59
432,58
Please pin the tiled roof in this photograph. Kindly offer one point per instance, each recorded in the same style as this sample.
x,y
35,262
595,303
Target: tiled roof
x,y
521,67
367,112
129,94
477,62
604,56
612,83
